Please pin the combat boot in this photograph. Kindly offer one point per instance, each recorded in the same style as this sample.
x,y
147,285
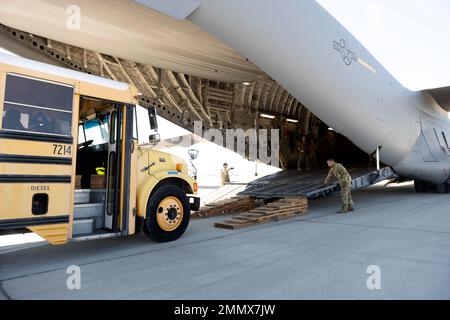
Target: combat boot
x,y
342,211
350,208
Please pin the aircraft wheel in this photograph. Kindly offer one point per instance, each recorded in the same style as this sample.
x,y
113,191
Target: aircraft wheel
x,y
443,188
420,186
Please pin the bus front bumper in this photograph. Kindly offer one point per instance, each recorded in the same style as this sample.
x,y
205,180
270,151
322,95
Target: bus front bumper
x,y
194,203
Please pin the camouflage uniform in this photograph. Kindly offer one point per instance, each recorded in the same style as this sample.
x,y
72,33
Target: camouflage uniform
x,y
224,173
345,181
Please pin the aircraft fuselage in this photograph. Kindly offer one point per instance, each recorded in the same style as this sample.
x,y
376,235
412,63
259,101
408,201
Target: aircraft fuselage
x,y
314,57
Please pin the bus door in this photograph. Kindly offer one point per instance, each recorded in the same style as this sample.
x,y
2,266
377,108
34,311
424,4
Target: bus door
x,y
113,170
121,175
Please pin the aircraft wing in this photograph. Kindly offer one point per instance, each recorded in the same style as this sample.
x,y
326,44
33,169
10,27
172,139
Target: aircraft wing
x,y
442,96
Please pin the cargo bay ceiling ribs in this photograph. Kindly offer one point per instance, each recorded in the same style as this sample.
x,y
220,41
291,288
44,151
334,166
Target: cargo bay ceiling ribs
x,y
130,30
183,99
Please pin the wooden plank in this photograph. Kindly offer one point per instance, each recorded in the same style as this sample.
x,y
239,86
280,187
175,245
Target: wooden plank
x,y
276,218
243,218
274,215
224,225
223,207
277,210
231,226
236,221
252,215
295,209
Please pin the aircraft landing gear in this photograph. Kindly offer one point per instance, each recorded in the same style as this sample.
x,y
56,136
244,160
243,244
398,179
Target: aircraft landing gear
x,y
421,187
443,188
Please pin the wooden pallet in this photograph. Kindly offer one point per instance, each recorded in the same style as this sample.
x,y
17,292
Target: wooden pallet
x,y
278,210
224,207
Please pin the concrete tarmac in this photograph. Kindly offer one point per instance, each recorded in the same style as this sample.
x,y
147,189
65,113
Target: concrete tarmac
x,y
403,235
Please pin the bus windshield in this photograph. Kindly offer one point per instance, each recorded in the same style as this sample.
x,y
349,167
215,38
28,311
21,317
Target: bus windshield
x,y
96,130
145,128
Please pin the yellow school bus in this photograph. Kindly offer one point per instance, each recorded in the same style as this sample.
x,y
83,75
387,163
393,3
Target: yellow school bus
x,y
71,165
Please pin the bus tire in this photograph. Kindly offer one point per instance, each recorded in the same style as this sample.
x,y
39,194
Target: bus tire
x,y
168,214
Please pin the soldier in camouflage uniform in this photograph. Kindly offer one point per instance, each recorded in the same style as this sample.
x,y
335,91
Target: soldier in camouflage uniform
x,y
345,180
225,174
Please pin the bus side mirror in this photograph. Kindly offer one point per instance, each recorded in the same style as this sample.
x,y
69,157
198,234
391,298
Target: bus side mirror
x,y
154,138
193,154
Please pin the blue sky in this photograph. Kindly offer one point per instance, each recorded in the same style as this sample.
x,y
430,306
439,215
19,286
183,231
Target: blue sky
x,y
411,38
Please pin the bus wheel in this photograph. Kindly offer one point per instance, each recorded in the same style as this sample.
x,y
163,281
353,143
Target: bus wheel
x,y
168,214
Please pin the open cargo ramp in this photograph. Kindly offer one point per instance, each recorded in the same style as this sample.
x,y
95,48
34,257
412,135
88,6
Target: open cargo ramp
x,y
309,183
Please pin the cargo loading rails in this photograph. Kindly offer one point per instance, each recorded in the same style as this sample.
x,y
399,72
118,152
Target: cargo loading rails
x,y
309,183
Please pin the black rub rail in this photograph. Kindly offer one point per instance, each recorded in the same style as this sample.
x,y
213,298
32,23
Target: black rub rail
x,y
15,178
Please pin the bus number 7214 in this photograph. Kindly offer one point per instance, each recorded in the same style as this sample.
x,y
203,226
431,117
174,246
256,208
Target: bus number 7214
x,y
62,150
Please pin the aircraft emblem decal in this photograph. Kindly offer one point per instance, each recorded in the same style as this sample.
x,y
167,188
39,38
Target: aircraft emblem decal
x,y
347,55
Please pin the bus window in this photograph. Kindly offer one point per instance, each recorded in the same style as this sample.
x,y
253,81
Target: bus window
x,y
81,134
97,131
37,106
135,127
15,120
143,125
19,118
113,125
